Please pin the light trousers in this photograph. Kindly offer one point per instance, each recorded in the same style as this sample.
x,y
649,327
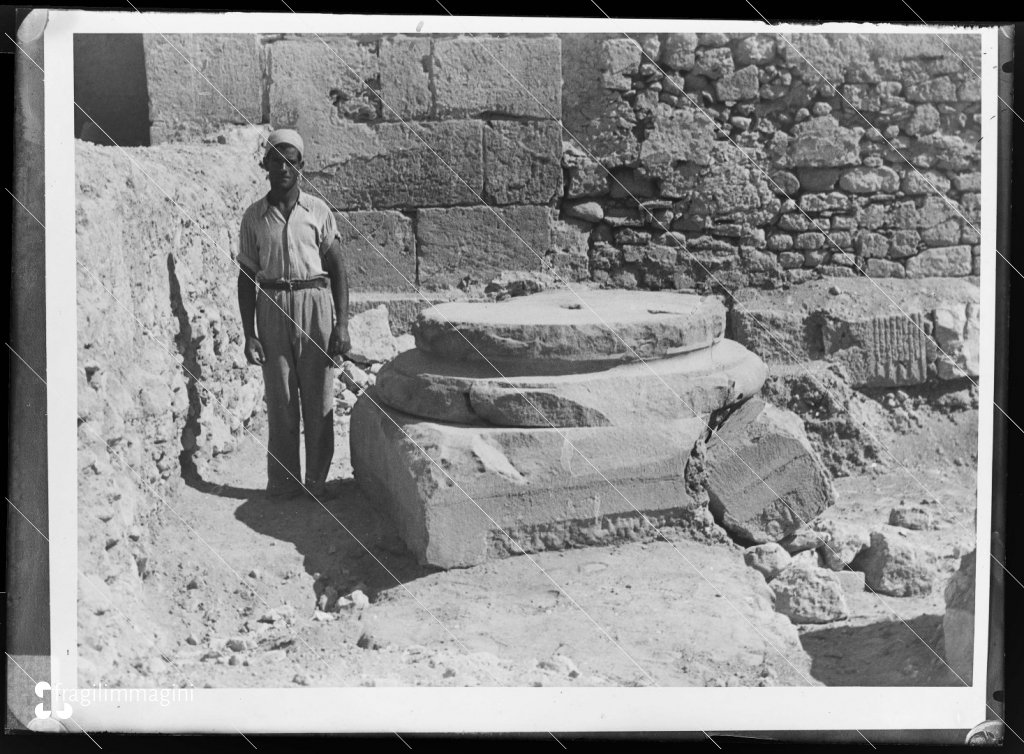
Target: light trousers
x,y
294,328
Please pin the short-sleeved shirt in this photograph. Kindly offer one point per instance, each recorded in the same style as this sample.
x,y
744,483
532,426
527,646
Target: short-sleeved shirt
x,y
276,249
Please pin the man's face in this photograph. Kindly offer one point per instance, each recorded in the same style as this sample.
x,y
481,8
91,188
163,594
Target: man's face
x,y
283,164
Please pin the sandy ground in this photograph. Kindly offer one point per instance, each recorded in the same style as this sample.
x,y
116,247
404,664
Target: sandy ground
x,y
235,578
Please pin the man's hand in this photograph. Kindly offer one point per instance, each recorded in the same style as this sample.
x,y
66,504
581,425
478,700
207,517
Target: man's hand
x,y
339,343
254,351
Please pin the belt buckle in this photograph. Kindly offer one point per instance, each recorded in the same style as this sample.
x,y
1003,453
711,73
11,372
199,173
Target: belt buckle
x,y
289,285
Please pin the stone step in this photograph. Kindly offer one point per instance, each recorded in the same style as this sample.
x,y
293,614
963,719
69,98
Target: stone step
x,y
884,333
573,325
544,487
676,387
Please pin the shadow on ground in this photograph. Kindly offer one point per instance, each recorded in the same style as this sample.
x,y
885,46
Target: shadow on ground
x,y
887,653
344,541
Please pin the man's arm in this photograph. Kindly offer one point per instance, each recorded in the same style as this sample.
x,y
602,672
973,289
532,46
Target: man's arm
x,y
334,263
247,308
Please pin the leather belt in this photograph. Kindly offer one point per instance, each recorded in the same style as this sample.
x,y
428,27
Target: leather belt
x,y
294,285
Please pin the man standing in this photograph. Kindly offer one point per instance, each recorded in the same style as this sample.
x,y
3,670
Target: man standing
x,y
296,325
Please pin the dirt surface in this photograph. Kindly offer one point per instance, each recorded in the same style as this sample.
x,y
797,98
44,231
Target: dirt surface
x,y
237,608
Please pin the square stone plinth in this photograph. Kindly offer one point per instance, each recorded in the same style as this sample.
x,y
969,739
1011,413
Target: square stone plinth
x,y
461,494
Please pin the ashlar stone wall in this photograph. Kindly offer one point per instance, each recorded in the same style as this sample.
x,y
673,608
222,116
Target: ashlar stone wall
x,y
452,170
708,160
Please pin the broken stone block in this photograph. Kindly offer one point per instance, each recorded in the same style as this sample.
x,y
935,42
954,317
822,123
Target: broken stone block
x,y
842,544
573,326
912,517
764,478
804,539
371,337
529,394
768,559
806,594
507,76
877,344
894,566
452,489
958,620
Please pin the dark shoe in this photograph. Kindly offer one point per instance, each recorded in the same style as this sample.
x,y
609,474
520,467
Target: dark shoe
x,y
316,490
281,494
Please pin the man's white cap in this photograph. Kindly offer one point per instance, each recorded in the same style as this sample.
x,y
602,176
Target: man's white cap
x,y
286,136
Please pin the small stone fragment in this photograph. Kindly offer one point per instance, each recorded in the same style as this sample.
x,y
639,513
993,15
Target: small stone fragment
x,y
912,517
893,566
809,595
769,559
359,600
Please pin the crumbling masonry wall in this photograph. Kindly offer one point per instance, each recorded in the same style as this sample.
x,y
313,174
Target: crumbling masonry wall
x,y
163,386
717,160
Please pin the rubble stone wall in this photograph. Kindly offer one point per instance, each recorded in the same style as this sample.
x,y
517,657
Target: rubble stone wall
x,y
162,383
717,160
771,157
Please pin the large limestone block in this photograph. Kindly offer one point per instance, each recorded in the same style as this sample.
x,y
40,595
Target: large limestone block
x,y
764,478
379,248
199,83
391,165
477,76
884,333
405,78
318,86
479,242
506,394
581,325
452,490
522,162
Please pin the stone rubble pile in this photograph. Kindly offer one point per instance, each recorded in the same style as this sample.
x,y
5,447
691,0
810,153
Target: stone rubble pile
x,y
815,571
557,419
